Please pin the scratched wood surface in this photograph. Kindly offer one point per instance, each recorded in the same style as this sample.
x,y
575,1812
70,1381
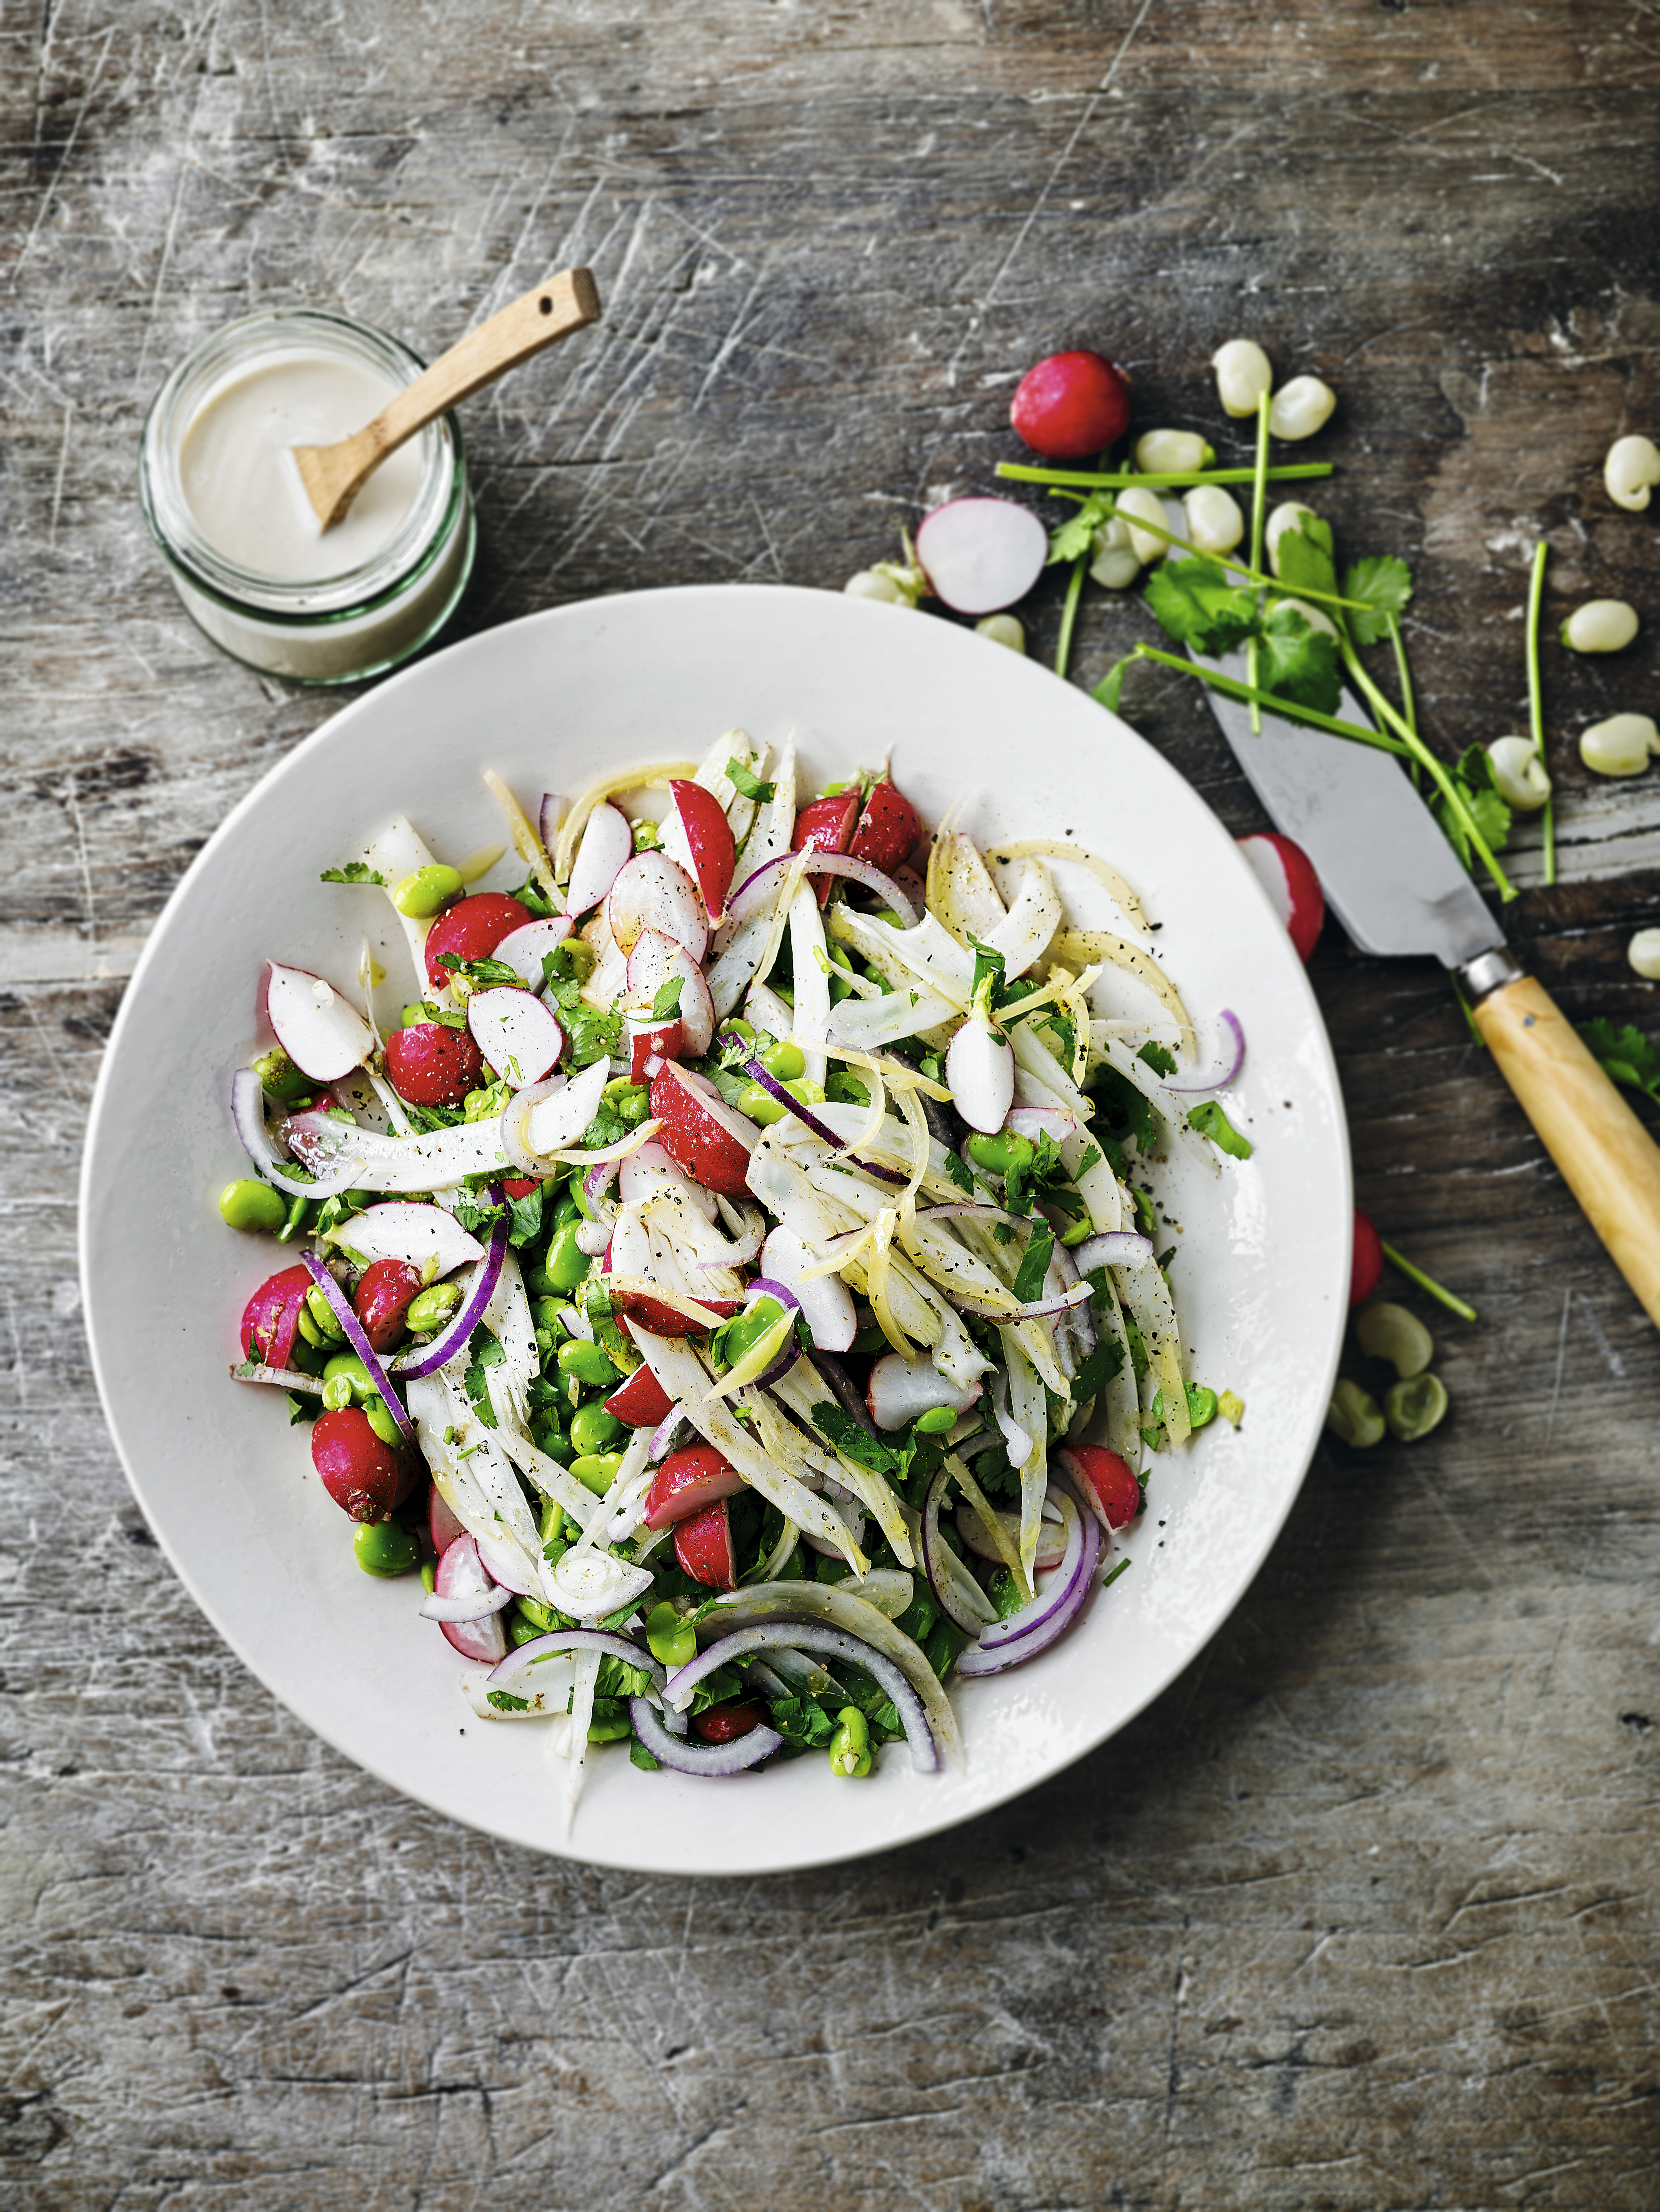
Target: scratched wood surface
x,y
1362,1914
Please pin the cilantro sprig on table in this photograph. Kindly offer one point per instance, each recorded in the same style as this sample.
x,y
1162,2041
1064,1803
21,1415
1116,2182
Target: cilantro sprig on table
x,y
1624,1054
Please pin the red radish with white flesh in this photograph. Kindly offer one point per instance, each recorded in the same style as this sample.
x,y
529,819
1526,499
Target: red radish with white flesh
x,y
471,929
322,1033
704,1547
461,1574
826,825
558,1120
982,554
518,1037
522,950
607,844
271,1319
641,1402
423,1235
365,1477
648,1043
1104,1481
1072,406
826,1301
979,1072
381,1299
711,1140
443,1526
1286,874
888,829
656,959
687,1481
432,1065
899,1389
651,891
708,839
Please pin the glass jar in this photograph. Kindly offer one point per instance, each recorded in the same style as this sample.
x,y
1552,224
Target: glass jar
x,y
335,628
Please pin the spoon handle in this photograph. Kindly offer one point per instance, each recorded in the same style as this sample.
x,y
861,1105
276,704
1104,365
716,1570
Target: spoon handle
x,y
567,302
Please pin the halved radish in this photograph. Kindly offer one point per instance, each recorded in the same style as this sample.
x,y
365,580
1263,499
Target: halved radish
x,y
826,1301
826,825
980,1070
981,554
686,1482
1286,874
607,844
711,1140
323,1033
1108,1482
443,1526
423,1234
522,949
899,1389
557,1121
517,1034
648,1042
652,891
888,829
704,1547
461,1574
641,1402
656,960
708,839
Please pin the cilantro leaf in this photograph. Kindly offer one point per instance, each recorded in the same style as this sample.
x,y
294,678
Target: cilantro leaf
x,y
986,962
1160,1061
1474,781
505,1701
354,871
1195,605
957,1169
1097,1369
1106,692
1071,539
591,1034
802,1721
846,1434
1127,1108
1209,1121
1297,661
486,1349
1385,584
1626,1054
1034,1265
1304,559
741,779
667,1005
526,1214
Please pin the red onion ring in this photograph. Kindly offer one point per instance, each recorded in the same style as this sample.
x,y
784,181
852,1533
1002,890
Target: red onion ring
x,y
1230,1076
356,1337
938,1575
247,1108
512,1670
712,1759
833,1643
741,905
453,1335
1011,1642
1116,1248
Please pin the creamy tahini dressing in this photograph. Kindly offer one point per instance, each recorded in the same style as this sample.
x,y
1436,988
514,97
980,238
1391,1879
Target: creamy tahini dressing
x,y
244,490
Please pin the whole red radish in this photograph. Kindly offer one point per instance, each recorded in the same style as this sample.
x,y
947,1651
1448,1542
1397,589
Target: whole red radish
x,y
826,825
704,1549
381,1299
432,1065
1367,1266
365,1477
1286,874
711,1140
726,1723
1115,1487
888,829
271,1317
1072,405
641,1402
708,839
472,928
688,1483
461,1574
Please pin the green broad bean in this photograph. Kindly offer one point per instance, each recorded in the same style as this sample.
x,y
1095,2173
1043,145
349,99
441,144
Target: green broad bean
x,y
336,1394
567,1265
1414,1406
938,1421
589,1363
247,1204
735,1026
672,1642
547,1436
759,1103
428,1309
348,1366
429,1576
594,1430
838,989
281,1078
1001,1154
309,1330
328,1322
1078,1231
426,891
849,1750
297,1220
596,1471
382,1422
784,1061
520,1630
1389,1332
386,1548
1354,1415
743,1334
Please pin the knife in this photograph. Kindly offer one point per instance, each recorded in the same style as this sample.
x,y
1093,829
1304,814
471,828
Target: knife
x,y
1398,887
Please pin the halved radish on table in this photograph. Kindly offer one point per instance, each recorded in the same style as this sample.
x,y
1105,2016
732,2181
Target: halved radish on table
x,y
423,1234
654,892
522,950
607,844
516,1033
1072,406
708,839
1286,874
687,1481
711,1140
322,1033
981,554
471,930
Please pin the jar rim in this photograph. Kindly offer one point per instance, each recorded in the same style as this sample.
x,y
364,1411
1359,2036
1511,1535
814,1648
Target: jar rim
x,y
352,592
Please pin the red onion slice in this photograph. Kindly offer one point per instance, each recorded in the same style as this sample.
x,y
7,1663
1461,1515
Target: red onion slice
x,y
759,1072
752,893
515,1668
355,1336
451,1337
832,1642
1231,1074
247,1108
712,1759
1118,1248
1011,1642
938,1568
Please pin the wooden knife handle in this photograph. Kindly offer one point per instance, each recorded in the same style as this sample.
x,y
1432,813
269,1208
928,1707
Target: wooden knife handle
x,y
1607,1159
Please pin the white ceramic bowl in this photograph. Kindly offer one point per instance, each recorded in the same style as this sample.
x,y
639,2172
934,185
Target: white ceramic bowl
x,y
1261,1280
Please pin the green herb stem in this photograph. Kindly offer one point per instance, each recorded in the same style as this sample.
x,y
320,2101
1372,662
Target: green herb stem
x,y
1258,505
1288,710
1408,707
1069,613
1444,1296
1537,701
1168,480
1252,576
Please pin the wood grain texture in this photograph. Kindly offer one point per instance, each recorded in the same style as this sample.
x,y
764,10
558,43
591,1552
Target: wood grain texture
x,y
1362,1914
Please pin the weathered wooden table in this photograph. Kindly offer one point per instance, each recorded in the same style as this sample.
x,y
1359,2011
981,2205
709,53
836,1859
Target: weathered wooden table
x,y
1362,1913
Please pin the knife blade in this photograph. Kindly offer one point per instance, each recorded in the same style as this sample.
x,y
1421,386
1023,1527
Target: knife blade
x,y
1396,884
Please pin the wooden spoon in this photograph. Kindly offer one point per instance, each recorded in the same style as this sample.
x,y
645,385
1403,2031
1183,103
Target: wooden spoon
x,y
334,475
